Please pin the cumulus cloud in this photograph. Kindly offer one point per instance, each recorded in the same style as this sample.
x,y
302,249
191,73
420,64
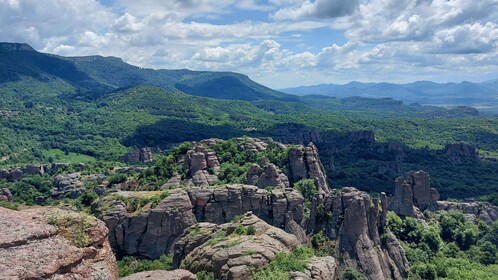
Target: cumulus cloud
x,y
317,9
390,40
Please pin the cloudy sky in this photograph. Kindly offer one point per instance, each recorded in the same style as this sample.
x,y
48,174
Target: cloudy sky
x,y
280,43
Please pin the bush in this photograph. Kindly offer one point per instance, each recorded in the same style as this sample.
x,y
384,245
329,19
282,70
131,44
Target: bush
x,y
129,265
350,274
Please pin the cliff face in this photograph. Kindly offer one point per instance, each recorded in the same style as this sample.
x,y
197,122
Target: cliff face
x,y
54,244
149,233
356,222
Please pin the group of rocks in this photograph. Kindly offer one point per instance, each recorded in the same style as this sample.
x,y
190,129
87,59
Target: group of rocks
x,y
230,230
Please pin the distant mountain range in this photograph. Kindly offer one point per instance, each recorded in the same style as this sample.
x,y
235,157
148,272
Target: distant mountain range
x,y
93,76
483,96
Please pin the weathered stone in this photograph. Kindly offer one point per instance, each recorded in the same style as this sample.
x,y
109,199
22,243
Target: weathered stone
x,y
150,232
458,151
15,175
229,255
473,211
141,155
30,248
413,193
177,274
305,163
5,195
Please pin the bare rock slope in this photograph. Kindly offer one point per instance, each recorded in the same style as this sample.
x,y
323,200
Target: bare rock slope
x,y
47,243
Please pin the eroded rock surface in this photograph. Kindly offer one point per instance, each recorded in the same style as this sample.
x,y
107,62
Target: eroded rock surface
x,y
5,195
473,211
413,193
228,253
177,274
356,222
30,248
147,232
140,155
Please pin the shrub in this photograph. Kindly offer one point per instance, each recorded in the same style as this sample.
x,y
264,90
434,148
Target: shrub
x,y
129,265
350,274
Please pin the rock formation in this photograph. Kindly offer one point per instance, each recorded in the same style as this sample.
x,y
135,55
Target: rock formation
x,y
177,274
54,244
362,136
355,221
473,211
229,253
318,268
413,193
267,175
5,195
459,151
146,232
202,164
221,205
141,155
305,163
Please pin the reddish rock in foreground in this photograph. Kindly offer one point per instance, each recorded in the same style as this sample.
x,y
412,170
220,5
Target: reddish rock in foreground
x,y
48,243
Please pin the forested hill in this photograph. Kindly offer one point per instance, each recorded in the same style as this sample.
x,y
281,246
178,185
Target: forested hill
x,y
94,76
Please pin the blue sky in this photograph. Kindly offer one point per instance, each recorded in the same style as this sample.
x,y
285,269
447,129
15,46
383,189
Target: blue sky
x,y
280,43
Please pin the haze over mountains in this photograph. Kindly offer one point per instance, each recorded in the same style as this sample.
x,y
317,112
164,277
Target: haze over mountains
x,y
483,96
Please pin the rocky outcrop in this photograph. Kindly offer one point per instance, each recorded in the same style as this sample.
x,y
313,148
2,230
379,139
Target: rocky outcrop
x,y
148,232
318,268
141,155
231,250
304,163
267,175
362,136
177,274
473,211
413,193
459,151
356,222
49,243
222,204
202,164
5,195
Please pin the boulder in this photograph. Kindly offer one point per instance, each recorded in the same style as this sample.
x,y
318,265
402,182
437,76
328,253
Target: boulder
x,y
47,243
229,253
5,195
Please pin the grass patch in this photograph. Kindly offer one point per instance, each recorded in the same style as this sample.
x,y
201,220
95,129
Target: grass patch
x,y
57,155
72,227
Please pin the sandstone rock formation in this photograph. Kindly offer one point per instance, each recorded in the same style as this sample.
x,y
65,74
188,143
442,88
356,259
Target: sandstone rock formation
x,y
458,151
473,211
267,175
5,195
355,221
362,136
202,164
305,163
147,232
75,247
177,274
141,155
318,268
228,253
413,193
221,205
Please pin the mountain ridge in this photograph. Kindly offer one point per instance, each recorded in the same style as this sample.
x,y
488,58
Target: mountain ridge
x,y
96,75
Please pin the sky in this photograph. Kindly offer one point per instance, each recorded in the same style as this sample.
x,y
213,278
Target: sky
x,y
279,43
